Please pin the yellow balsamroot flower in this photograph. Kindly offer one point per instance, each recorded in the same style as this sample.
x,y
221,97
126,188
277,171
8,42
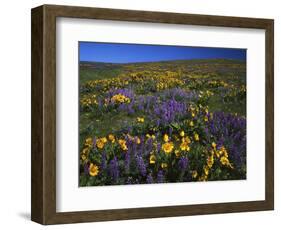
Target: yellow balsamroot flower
x,y
153,137
89,142
120,98
85,151
214,145
194,174
182,133
206,170
224,152
206,119
123,145
100,143
186,139
192,108
193,114
140,119
196,137
164,165
177,153
191,123
93,170
184,146
121,142
210,161
166,138
83,157
152,159
219,153
168,147
104,140
138,141
88,100
111,138
224,161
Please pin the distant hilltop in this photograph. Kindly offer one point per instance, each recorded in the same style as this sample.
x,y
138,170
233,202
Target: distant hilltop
x,y
189,61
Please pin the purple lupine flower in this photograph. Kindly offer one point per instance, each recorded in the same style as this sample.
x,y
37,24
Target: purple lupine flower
x,y
126,92
168,111
179,94
183,162
141,165
86,169
114,169
160,177
149,145
127,160
228,130
149,179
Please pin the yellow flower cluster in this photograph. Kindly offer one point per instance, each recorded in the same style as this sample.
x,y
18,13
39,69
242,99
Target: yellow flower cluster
x,y
163,80
221,154
123,144
106,84
216,84
167,82
184,146
88,100
140,119
120,98
88,144
150,136
101,142
111,138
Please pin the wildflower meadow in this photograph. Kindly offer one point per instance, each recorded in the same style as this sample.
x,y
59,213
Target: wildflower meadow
x,y
162,121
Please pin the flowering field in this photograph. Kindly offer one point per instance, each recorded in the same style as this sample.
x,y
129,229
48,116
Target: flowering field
x,y
162,122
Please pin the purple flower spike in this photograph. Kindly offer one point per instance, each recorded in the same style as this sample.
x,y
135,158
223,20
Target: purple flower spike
x,y
114,169
183,162
149,179
160,177
141,165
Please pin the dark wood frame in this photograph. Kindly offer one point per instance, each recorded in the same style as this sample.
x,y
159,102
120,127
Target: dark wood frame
x,y
43,189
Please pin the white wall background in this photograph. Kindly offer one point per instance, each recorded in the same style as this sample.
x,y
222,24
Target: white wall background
x,y
15,113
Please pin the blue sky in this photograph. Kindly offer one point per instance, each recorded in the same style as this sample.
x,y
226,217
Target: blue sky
x,y
128,53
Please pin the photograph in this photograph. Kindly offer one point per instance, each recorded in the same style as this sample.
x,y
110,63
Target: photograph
x,y
161,114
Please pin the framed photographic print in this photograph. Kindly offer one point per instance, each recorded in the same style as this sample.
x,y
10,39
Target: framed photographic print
x,y
141,114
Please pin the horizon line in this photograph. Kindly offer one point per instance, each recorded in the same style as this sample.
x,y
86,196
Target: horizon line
x,y
138,62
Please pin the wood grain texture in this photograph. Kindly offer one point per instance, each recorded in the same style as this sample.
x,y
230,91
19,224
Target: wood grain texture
x,y
37,115
43,207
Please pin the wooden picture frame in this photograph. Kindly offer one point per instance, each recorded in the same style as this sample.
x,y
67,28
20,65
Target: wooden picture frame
x,y
43,205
